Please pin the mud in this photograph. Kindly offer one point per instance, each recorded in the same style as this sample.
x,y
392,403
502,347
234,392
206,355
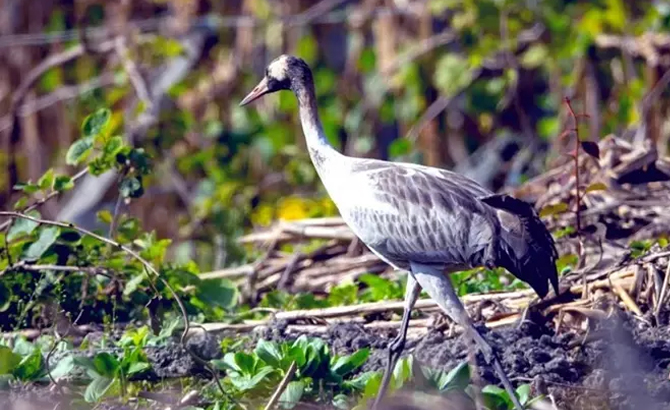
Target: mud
x,y
623,364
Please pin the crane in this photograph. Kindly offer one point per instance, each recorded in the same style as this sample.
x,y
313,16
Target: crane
x,y
428,221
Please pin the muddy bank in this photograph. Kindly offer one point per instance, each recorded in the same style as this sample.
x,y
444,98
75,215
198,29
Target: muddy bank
x,y
620,363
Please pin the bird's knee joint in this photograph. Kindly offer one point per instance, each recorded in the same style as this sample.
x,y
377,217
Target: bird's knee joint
x,y
397,345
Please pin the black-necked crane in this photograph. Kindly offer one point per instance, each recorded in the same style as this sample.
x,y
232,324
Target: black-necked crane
x,y
428,221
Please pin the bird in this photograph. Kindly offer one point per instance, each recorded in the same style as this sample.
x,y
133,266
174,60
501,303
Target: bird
x,y
428,221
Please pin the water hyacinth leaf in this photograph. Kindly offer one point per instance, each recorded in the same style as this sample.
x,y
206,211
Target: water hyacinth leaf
x,y
97,389
359,382
95,123
553,209
106,364
23,347
63,367
458,377
496,397
46,238
30,367
8,360
292,394
268,352
591,148
372,385
523,392
22,226
245,362
345,365
341,401
78,151
248,382
138,367
219,292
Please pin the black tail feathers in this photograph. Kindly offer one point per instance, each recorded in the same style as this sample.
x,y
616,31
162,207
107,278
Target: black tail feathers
x,y
537,266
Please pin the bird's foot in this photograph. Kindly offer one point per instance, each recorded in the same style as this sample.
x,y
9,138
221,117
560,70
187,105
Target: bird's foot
x,y
491,359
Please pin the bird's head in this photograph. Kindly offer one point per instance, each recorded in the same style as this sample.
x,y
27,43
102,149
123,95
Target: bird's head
x,y
285,72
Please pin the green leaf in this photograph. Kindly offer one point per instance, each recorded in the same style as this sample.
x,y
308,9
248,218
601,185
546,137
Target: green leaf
x,y
87,364
78,151
372,385
523,392
341,401
345,365
219,292
8,360
46,180
400,147
27,187
268,352
248,382
62,183
596,186
292,394
402,371
458,377
138,367
553,209
22,226
95,123
113,146
30,367
23,347
453,74
534,56
359,382
496,397
105,216
130,187
106,364
63,368
97,388
227,363
5,297
46,238
133,284
245,362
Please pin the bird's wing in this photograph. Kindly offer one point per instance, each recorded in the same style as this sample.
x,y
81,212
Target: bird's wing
x,y
421,214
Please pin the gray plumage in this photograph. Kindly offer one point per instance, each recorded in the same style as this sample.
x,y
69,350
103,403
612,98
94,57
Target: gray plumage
x,y
428,221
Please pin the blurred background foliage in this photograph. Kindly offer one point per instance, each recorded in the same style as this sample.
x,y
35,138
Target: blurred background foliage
x,y
475,86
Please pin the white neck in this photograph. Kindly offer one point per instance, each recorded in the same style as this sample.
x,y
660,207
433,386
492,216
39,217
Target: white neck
x,y
320,149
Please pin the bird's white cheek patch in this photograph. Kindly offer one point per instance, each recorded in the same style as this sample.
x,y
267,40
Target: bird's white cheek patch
x,y
278,69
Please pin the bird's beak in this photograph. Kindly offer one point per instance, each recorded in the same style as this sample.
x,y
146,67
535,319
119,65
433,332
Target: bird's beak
x,y
260,90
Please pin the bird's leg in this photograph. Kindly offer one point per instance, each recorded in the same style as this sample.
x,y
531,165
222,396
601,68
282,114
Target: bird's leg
x,y
438,286
397,345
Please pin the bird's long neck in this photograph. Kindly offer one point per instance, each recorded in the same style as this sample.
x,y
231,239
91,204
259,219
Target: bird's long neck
x,y
320,149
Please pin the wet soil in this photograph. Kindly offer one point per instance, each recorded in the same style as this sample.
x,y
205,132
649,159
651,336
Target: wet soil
x,y
621,363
